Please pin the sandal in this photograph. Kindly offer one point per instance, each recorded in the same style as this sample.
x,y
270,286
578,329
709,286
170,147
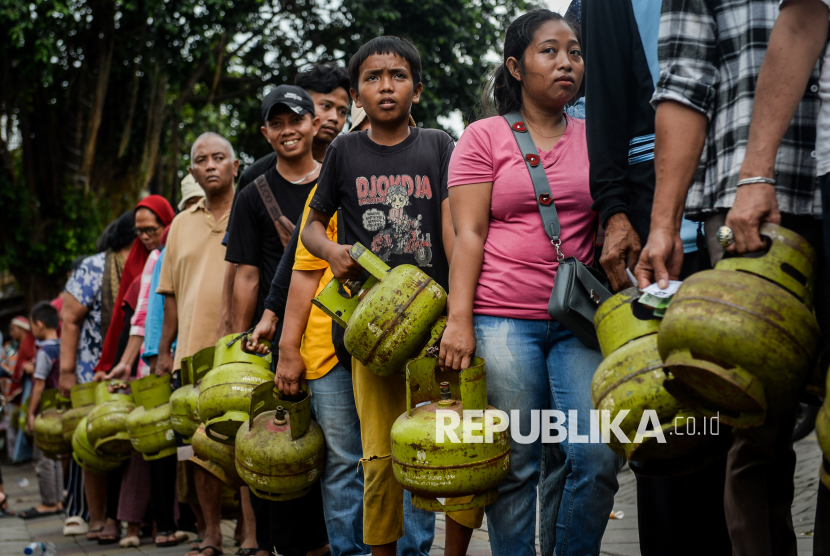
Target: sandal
x,y
214,551
246,552
194,544
95,532
33,512
166,535
74,525
130,541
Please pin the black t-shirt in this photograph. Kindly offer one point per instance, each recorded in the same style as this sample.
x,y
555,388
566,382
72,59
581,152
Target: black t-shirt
x,y
390,196
252,239
259,167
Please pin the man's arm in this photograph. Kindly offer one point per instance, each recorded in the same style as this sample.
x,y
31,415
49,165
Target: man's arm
x,y
169,331
291,366
73,314
795,44
317,241
245,291
608,48
225,326
680,135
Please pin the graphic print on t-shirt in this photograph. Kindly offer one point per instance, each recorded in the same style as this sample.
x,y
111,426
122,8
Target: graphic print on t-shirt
x,y
399,232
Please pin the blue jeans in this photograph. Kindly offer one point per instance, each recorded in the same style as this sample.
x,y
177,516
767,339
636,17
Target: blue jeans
x,y
332,403
419,529
537,365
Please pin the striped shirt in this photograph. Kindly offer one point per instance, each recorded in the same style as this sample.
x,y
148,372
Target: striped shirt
x,y
710,54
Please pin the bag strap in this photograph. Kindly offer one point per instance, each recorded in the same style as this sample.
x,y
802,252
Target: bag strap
x,y
541,185
268,199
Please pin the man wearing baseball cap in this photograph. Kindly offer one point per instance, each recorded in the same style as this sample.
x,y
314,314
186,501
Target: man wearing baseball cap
x,y
257,236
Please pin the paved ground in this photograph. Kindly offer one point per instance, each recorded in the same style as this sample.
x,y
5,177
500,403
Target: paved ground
x,y
621,538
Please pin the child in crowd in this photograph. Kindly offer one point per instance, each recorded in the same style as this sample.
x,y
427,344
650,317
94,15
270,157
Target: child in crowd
x,y
385,77
44,322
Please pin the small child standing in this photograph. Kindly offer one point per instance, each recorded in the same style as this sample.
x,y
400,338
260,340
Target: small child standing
x,y
390,183
44,322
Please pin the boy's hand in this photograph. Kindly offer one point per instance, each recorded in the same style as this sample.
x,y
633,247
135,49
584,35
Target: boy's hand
x,y
343,266
290,370
266,329
31,422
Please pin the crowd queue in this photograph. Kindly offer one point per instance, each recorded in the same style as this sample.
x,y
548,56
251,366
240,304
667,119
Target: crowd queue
x,y
696,114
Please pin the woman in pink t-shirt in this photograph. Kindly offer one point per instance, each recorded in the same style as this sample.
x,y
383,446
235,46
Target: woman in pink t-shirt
x,y
501,274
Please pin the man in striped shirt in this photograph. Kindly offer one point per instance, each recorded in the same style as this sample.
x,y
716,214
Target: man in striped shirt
x,y
710,54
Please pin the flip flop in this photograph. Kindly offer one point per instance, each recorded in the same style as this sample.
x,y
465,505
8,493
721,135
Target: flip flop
x,y
246,552
214,551
95,532
108,540
194,544
33,512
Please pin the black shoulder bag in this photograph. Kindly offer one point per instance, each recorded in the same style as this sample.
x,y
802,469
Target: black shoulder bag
x,y
577,289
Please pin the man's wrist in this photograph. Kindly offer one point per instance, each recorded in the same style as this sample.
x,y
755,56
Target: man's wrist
x,y
617,219
288,348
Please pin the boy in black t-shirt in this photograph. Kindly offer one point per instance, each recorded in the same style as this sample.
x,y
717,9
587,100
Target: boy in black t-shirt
x,y
390,183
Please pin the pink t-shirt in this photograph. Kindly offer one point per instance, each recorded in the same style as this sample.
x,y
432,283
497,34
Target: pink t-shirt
x,y
519,261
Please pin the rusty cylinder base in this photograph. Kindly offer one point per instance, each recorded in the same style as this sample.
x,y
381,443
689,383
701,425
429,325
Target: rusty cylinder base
x,y
733,395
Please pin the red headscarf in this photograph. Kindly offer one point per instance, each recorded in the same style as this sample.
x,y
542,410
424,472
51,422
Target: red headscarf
x,y
132,269
26,352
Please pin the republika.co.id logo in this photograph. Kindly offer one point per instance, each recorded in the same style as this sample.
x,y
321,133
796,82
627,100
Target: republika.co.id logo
x,y
479,426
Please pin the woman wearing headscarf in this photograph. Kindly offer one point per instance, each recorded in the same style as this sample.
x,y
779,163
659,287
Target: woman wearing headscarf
x,y
151,215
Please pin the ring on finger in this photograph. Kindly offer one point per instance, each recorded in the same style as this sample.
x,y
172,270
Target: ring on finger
x,y
725,236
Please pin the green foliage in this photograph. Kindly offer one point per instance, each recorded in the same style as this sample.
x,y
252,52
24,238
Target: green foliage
x,y
108,95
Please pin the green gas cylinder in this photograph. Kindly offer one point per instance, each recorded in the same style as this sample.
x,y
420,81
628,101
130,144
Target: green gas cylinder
x,y
149,426
631,378
225,392
107,423
430,469
48,428
83,401
279,450
741,340
394,315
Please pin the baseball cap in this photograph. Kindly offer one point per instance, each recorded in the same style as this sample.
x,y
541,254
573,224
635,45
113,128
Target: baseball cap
x,y
295,98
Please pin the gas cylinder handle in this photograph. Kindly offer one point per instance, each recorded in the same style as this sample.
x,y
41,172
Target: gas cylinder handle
x,y
186,372
266,397
200,363
422,384
228,349
369,261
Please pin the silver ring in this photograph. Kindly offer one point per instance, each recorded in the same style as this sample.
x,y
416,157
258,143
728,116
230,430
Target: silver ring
x,y
725,236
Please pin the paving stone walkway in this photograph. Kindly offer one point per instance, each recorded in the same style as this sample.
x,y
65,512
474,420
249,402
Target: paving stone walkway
x,y
621,537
